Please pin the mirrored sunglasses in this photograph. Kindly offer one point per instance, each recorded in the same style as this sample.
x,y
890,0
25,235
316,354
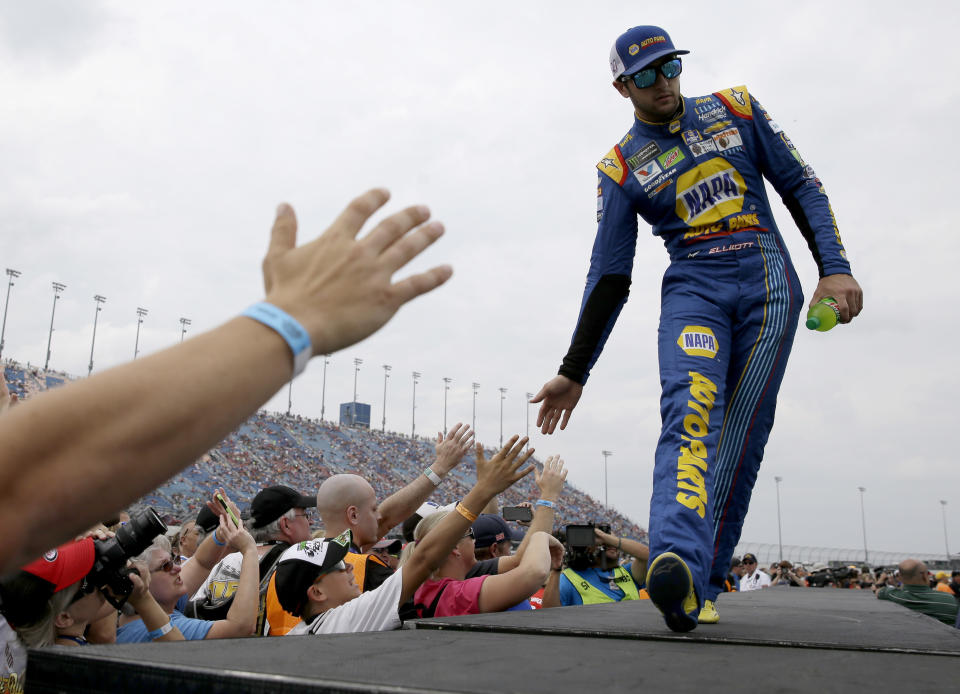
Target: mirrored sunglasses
x,y
648,76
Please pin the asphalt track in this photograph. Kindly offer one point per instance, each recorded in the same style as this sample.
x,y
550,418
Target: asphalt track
x,y
809,640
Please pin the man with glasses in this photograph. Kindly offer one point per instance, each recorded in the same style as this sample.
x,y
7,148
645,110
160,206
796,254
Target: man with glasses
x,y
694,169
753,577
278,519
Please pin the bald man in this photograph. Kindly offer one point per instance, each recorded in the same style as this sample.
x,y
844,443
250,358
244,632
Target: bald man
x,y
348,502
916,593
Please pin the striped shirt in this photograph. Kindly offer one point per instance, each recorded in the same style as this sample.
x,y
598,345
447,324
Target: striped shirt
x,y
925,600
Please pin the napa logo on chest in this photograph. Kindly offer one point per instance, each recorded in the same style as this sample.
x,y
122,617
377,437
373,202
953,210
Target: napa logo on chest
x,y
698,341
709,192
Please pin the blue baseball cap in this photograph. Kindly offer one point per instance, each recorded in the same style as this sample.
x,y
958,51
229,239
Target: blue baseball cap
x,y
636,48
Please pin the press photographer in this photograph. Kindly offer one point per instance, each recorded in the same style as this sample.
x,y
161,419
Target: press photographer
x,y
70,586
594,574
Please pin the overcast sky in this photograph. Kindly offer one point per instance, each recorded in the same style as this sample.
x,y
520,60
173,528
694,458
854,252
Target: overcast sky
x,y
145,147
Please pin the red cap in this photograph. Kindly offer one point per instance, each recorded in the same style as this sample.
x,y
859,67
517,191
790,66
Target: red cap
x,y
65,565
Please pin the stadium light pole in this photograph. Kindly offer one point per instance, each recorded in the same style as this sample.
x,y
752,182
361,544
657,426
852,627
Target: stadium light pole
x,y
606,498
184,322
356,369
476,387
943,508
12,275
778,480
289,397
57,288
99,300
503,396
323,391
863,520
141,312
413,408
386,375
446,388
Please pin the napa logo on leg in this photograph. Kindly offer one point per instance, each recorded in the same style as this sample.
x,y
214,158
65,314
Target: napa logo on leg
x,y
698,341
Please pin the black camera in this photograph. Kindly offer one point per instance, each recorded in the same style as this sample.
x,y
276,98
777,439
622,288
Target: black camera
x,y
110,563
581,536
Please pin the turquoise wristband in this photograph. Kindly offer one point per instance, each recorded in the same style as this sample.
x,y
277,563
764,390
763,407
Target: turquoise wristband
x,y
216,541
296,337
544,502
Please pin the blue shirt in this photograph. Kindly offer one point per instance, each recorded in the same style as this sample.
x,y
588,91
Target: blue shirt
x,y
192,629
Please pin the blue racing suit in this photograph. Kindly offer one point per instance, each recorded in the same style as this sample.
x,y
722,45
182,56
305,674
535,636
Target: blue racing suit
x,y
730,304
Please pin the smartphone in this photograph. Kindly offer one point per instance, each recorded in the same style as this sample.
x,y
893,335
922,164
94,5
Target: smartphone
x,y
581,536
223,503
517,513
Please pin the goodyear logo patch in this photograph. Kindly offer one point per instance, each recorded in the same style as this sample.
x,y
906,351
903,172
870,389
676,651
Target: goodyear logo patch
x,y
698,341
709,192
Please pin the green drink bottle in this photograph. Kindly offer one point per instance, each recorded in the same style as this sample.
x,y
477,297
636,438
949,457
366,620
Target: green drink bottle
x,y
823,315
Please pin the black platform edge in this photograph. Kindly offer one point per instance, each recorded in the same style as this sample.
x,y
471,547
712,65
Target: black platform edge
x,y
159,678
688,637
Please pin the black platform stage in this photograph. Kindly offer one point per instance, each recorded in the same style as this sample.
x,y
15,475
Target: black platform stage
x,y
775,640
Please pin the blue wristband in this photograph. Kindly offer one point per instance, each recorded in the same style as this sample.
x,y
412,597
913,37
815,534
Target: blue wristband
x,y
216,541
544,502
162,631
288,328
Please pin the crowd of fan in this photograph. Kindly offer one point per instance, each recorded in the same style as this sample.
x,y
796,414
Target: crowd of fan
x,y
382,540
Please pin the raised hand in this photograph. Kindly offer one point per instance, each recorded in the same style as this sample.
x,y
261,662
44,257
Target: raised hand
x,y
551,479
503,469
559,395
452,447
338,287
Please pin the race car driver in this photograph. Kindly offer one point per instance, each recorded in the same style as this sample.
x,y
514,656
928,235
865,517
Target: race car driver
x,y
693,169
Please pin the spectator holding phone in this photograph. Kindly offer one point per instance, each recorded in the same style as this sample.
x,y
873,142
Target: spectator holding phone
x,y
278,519
171,590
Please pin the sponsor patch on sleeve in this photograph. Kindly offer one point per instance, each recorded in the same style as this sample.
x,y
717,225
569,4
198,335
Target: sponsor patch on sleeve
x,y
737,100
599,200
614,166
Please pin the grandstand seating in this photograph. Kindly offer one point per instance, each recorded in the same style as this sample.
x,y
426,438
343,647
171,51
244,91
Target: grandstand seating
x,y
273,448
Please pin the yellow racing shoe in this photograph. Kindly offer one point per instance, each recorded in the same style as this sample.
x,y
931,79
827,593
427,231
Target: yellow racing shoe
x,y
709,614
670,585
